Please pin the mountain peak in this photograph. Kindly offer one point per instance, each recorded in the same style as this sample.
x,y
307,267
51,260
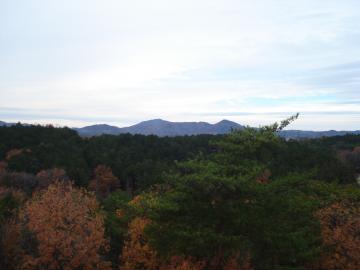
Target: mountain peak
x,y
227,124
103,126
225,121
158,120
97,130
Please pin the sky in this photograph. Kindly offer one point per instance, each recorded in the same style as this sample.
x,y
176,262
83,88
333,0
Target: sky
x,y
82,62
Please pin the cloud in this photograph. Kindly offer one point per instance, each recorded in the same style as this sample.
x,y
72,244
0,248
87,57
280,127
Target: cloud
x,y
121,62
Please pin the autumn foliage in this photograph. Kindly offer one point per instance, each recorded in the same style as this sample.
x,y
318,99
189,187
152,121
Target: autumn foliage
x,y
14,152
341,234
138,254
181,263
48,177
68,228
243,201
104,181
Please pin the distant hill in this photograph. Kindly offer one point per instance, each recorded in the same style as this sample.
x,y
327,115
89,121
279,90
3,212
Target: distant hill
x,y
96,130
301,134
163,128
2,124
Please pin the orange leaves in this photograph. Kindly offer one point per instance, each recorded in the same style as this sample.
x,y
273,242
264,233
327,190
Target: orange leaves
x,y
341,233
13,153
68,227
104,181
181,263
137,253
234,263
47,177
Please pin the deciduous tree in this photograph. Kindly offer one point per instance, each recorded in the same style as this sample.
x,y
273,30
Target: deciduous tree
x,y
48,177
137,253
68,227
104,181
341,234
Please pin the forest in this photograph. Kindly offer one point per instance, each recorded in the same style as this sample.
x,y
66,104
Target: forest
x,y
245,200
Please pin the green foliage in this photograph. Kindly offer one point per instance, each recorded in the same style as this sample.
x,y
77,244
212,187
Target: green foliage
x,y
249,191
48,147
216,204
20,181
7,205
116,221
140,161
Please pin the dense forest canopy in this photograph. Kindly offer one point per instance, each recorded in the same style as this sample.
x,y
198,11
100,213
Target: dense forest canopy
x,y
245,200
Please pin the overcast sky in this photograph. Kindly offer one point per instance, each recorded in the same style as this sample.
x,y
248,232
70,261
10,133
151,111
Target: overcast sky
x,y
79,62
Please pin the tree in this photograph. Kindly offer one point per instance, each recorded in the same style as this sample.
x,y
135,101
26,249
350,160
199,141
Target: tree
x,y
10,201
225,204
117,219
22,160
340,223
48,177
19,181
14,152
3,167
68,229
137,253
104,181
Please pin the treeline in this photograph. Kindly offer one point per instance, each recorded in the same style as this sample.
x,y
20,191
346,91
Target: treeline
x,y
138,161
246,200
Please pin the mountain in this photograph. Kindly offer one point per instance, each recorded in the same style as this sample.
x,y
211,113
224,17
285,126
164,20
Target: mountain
x,y
4,124
302,134
96,130
162,128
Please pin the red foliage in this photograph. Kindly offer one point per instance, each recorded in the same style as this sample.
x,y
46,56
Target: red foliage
x,y
264,177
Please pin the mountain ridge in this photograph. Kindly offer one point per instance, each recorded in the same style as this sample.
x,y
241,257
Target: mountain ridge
x,y
162,128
